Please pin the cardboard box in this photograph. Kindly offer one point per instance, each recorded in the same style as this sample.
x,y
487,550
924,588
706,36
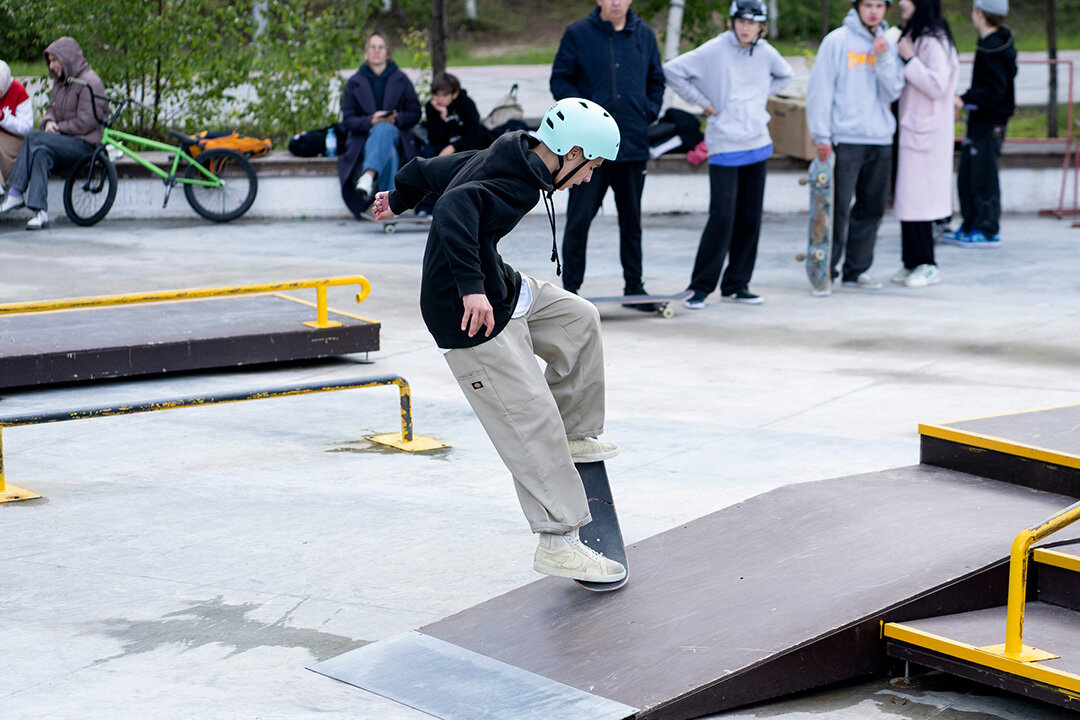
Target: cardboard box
x,y
790,135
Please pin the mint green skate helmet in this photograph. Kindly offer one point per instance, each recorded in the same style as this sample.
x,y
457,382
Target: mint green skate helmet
x,y
576,122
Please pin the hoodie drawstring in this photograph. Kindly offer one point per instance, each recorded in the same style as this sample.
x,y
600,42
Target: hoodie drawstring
x,y
549,205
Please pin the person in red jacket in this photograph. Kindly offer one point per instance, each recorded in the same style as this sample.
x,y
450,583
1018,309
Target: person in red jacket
x,y
16,120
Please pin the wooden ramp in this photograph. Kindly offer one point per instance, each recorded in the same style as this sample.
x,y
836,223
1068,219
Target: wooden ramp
x,y
784,592
126,340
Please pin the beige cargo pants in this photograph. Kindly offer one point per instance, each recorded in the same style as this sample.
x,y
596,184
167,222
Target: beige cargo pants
x,y
529,414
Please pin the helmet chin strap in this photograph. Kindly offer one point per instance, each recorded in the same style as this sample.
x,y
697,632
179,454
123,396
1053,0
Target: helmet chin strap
x,y
562,159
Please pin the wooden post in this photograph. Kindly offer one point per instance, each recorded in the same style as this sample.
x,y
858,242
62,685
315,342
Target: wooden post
x,y
1051,47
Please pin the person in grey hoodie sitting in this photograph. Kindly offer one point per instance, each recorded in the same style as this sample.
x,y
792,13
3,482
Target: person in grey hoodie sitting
x,y
731,77
857,76
69,130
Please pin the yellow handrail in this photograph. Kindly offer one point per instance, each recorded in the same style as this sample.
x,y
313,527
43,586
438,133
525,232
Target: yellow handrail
x,y
320,285
1019,560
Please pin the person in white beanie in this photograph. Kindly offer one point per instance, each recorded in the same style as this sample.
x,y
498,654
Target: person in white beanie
x,y
16,119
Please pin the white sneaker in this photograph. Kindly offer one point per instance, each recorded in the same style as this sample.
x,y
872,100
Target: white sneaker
x,y
40,220
592,450
900,275
566,556
865,281
365,183
923,275
11,202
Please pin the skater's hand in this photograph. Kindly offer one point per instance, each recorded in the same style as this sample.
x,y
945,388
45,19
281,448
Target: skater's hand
x,y
478,313
823,152
709,111
380,209
881,45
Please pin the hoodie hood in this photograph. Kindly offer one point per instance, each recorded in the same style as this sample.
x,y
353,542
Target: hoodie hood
x,y
854,23
999,41
72,61
513,157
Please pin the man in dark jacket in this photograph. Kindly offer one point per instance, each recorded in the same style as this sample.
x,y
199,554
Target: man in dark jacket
x,y
379,108
69,130
491,322
611,57
990,103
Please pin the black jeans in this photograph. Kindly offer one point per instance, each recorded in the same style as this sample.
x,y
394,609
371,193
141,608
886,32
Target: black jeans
x,y
917,243
977,178
735,196
40,152
627,181
861,171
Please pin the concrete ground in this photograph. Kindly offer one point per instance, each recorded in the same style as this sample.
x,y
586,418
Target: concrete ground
x,y
191,563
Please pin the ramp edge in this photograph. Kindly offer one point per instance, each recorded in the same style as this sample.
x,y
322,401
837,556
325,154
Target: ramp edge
x,y
452,683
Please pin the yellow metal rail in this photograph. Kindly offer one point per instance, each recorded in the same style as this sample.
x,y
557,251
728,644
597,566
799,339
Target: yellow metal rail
x,y
405,440
1019,561
319,284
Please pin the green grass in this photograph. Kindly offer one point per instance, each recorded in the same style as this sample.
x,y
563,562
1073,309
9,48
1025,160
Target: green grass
x,y
1029,122
28,69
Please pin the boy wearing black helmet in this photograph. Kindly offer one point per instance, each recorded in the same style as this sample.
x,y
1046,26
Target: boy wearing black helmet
x,y
491,322
857,76
731,77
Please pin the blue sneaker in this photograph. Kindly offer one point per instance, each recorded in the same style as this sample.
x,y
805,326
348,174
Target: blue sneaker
x,y
977,239
959,236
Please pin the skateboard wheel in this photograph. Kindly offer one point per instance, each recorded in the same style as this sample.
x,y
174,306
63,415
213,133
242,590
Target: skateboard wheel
x,y
389,229
803,181
819,255
667,312
800,257
822,179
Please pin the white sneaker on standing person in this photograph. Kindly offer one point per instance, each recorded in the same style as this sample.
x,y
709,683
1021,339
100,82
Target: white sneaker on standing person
x,y
857,75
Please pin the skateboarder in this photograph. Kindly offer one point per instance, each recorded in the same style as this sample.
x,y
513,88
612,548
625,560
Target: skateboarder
x,y
491,321
731,77
857,76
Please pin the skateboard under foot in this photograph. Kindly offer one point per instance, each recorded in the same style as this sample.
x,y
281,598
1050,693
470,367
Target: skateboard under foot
x,y
390,226
602,534
662,302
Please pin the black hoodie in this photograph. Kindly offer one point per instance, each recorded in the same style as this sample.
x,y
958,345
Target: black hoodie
x,y
483,196
992,96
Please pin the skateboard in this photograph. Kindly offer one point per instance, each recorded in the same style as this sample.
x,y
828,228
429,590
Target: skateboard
x,y
390,226
662,302
602,534
819,239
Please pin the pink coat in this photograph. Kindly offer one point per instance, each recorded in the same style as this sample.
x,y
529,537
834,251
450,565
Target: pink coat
x,y
924,175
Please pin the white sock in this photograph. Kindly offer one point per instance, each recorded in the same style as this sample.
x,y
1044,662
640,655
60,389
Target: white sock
x,y
365,183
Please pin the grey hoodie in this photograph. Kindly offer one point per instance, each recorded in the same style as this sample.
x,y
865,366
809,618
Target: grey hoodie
x,y
851,89
736,82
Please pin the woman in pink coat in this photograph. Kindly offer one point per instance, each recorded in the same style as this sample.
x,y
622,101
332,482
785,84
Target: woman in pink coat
x,y
925,161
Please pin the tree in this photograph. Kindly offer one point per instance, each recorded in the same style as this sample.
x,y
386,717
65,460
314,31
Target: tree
x,y
1051,46
438,36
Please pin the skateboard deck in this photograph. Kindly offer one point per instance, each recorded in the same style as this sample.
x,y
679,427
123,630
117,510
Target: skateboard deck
x,y
662,302
819,238
602,534
390,226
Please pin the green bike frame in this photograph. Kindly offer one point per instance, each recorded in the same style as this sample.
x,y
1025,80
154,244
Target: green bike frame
x,y
116,139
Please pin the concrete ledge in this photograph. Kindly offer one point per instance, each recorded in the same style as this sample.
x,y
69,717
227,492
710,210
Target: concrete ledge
x,y
292,187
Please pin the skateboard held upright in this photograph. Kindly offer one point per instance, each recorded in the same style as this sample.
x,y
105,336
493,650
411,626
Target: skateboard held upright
x,y
818,256
602,534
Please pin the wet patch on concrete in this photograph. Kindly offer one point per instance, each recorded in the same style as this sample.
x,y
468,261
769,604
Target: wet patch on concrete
x,y
217,622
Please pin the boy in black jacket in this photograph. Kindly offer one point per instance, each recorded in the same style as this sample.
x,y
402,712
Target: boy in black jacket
x,y
451,119
491,322
990,103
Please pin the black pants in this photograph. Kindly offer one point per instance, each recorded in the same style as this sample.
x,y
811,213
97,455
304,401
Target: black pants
x,y
977,178
735,196
917,243
627,180
862,172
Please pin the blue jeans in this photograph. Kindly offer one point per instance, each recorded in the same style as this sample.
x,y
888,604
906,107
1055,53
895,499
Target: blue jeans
x,y
40,152
381,154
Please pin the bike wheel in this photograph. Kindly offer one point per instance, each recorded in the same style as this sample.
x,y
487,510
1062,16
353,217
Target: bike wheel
x,y
238,186
90,189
